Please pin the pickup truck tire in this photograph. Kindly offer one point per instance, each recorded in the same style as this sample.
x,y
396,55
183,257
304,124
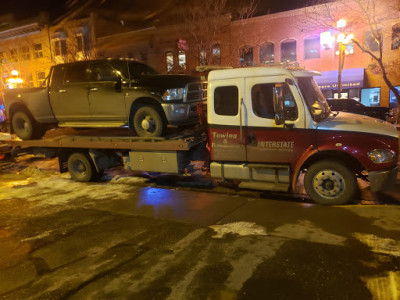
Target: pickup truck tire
x,y
24,126
81,167
329,182
148,121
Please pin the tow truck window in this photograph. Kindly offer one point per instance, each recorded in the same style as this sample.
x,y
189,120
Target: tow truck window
x,y
263,103
226,100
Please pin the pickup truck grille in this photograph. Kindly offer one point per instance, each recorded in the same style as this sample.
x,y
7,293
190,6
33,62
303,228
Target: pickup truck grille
x,y
196,91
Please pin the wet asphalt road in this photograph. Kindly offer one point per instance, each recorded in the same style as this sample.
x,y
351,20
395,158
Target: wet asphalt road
x,y
125,239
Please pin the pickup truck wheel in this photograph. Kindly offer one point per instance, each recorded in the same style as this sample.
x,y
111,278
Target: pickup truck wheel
x,y
24,126
81,168
148,122
329,182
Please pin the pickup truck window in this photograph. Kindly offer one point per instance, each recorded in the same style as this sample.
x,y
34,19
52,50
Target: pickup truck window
x,y
100,71
226,100
78,72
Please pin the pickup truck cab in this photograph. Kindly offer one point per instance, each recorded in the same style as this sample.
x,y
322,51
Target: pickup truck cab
x,y
105,93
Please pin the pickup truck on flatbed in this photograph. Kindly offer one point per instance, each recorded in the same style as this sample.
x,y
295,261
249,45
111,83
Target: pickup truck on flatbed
x,y
104,93
265,127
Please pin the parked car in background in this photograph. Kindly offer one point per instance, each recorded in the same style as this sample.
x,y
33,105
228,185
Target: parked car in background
x,y
356,107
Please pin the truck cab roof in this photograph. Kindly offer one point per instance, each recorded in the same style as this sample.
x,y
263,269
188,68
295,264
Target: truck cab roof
x,y
259,72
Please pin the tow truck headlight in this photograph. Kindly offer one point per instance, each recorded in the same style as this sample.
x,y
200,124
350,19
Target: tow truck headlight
x,y
174,94
380,156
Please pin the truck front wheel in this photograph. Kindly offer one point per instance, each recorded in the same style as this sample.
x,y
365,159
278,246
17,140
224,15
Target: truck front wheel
x,y
24,126
81,168
329,182
148,121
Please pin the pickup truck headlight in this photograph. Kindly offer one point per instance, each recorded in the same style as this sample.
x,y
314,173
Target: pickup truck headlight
x,y
380,156
174,94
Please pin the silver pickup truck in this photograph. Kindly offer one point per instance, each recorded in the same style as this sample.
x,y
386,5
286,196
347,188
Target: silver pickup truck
x,y
105,93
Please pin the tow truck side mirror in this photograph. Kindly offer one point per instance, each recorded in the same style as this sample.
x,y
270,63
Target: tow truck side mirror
x,y
279,105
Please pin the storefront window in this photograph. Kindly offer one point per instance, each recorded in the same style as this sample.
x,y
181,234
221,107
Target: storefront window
x,y
288,50
371,96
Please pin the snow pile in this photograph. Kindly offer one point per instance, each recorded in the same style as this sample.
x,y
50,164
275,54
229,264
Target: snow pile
x,y
380,245
240,228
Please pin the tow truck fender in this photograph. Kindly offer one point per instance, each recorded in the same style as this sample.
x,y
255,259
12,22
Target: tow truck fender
x,y
310,151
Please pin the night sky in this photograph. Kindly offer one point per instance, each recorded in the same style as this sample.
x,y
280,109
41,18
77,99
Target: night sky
x,y
26,8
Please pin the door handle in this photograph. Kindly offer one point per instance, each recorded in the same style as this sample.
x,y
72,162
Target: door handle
x,y
93,89
62,91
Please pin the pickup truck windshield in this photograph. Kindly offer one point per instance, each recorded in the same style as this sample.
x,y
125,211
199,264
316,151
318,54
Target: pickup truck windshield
x,y
315,101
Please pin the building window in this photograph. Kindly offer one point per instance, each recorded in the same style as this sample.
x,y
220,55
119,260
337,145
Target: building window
x,y
2,57
41,76
169,59
79,42
13,55
267,53
202,58
370,42
25,53
396,36
60,47
37,51
216,54
288,50
182,60
246,56
312,47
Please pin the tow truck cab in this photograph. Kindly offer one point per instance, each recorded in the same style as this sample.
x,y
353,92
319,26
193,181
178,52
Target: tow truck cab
x,y
268,125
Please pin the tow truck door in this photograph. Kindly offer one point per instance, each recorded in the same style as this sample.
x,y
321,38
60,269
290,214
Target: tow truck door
x,y
267,142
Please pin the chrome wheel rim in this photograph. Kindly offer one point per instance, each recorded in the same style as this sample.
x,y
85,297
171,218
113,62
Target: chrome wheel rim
x,y
329,184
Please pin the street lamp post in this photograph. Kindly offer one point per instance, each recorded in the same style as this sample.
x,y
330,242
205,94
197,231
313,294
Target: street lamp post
x,y
343,39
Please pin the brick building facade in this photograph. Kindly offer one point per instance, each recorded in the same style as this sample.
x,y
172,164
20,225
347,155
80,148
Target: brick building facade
x,y
295,36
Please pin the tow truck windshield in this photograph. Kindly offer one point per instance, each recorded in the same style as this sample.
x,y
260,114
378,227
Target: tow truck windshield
x,y
316,102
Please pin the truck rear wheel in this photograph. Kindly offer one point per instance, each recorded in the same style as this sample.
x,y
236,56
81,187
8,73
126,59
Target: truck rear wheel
x,y
81,168
148,121
329,182
24,126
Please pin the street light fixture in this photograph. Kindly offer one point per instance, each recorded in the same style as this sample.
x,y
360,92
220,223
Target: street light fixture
x,y
343,40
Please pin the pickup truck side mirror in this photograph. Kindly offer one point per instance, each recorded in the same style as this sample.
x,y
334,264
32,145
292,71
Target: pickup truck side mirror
x,y
279,105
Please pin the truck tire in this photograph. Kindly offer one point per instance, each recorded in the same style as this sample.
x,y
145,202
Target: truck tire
x,y
24,126
81,167
148,121
329,182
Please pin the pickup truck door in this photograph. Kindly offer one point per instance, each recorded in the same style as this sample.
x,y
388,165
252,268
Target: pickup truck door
x,y
68,92
106,97
267,142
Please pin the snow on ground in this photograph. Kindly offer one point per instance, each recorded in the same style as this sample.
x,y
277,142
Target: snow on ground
x,y
240,228
39,180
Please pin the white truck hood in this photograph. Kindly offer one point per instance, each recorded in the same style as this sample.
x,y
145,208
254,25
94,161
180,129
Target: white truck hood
x,y
352,122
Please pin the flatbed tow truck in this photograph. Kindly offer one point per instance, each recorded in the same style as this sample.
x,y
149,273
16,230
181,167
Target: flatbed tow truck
x,y
265,126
